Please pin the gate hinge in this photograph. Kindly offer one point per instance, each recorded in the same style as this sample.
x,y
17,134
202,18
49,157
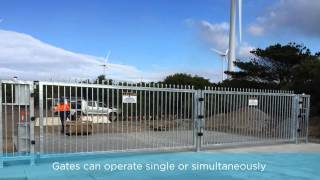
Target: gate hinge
x,y
200,133
33,142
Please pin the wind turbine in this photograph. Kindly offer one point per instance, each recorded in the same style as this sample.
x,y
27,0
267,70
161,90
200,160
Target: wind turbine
x,y
232,33
224,56
105,65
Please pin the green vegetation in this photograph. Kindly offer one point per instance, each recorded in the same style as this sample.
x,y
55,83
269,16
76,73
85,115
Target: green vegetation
x,y
187,79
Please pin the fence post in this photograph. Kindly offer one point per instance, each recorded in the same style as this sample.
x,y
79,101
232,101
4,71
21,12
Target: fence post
x,y
1,140
41,116
199,118
307,118
32,120
295,113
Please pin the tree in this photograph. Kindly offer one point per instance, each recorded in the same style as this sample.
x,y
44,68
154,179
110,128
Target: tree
x,y
102,80
186,79
307,81
273,64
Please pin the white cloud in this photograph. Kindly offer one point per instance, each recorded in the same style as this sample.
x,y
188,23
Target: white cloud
x,y
298,16
216,35
213,35
244,50
256,30
28,58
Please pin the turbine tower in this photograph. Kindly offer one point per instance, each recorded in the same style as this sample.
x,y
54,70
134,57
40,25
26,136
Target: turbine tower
x,y
223,56
105,65
232,33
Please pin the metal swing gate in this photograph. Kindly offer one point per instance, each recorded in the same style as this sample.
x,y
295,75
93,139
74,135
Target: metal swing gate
x,y
143,117
229,116
158,117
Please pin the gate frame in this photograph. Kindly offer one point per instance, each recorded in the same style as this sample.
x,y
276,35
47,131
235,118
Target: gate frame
x,y
198,119
154,88
1,133
31,156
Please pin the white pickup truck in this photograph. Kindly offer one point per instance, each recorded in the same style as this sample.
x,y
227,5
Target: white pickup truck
x,y
98,108
83,107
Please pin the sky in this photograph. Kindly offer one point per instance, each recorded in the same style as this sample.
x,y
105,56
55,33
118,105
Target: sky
x,y
148,39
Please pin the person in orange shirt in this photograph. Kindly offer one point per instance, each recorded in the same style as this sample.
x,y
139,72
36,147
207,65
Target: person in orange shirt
x,y
63,109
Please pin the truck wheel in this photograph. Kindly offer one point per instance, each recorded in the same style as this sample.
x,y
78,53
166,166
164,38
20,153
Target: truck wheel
x,y
113,116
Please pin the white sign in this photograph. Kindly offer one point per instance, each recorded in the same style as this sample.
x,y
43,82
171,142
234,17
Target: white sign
x,y
129,98
253,102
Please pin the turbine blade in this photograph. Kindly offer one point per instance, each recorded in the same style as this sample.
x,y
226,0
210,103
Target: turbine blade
x,y
227,51
107,57
217,52
240,19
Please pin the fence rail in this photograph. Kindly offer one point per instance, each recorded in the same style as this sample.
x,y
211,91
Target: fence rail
x,y
59,117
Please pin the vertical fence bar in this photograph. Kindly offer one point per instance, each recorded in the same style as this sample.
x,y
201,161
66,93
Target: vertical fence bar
x,y
286,117
77,108
149,130
243,107
294,119
12,118
199,104
192,116
82,114
282,117
173,115
117,116
307,117
207,113
5,120
122,119
145,115
32,120
195,119
1,133
166,117
108,129
157,113
111,117
139,99
41,116
218,115
45,141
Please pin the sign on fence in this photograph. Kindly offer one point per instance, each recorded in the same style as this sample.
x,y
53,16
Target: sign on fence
x,y
253,102
129,98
